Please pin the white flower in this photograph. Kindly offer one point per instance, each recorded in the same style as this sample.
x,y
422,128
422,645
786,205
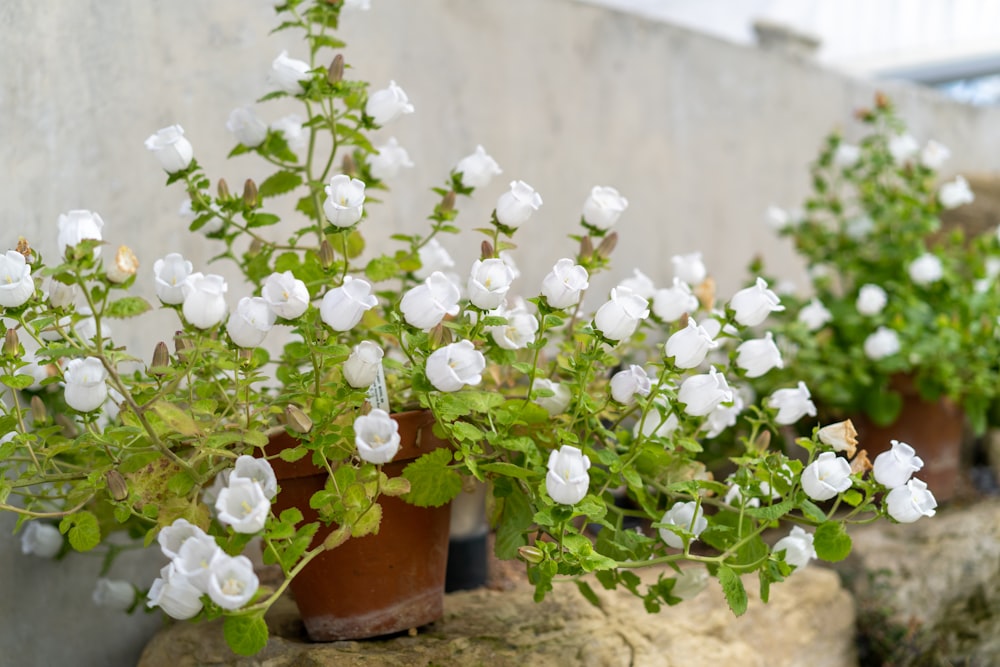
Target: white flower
x,y
640,283
671,303
871,299
518,333
174,594
859,227
123,266
658,421
884,342
735,497
389,160
689,583
842,436
75,226
16,283
387,104
690,345
285,294
689,268
425,305
171,148
357,5
753,304
827,476
250,322
453,366
232,582
433,257
722,417
911,501
934,155
567,481
689,518
509,261
558,401
814,315
212,225
376,436
759,355
288,74
257,470
361,367
173,537
59,294
290,127
955,193
603,207
345,199
702,393
204,300
925,269
798,547
893,468
342,307
113,594
248,129
171,272
902,147
776,218
792,404
846,155
85,386
41,539
477,169
243,505
564,284
489,282
194,559
514,207
625,384
618,318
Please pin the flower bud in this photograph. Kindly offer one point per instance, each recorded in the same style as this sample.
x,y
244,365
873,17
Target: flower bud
x,y
245,355
440,336
223,189
69,428
38,412
123,266
347,166
250,193
10,344
586,247
486,250
607,245
530,554
326,255
255,247
182,345
297,420
882,101
335,72
447,202
117,486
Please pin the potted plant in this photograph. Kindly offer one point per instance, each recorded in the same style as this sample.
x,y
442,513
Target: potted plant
x,y
899,327
585,424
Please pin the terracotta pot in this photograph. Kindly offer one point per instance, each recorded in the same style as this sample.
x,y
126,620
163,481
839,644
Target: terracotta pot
x,y
377,584
935,429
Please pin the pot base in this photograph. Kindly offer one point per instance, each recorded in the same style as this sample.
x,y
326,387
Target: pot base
x,y
401,615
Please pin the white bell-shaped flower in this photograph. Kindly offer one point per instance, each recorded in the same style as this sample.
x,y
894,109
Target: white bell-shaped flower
x,y
758,356
618,318
171,148
603,207
16,283
514,207
171,272
425,305
895,467
41,539
557,397
909,502
243,505
204,300
753,304
388,104
232,582
792,404
172,537
489,282
567,480
564,284
702,393
689,269
453,366
798,547
376,435
826,477
477,169
250,322
670,303
86,388
75,226
345,200
689,346
247,127
174,594
285,294
342,307
289,74
687,516
361,367
626,383
390,159
258,470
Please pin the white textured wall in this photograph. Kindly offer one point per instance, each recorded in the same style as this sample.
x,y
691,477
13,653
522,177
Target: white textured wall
x,y
700,135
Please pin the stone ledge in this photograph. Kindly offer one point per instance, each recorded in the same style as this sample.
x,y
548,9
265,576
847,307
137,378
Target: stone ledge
x,y
809,621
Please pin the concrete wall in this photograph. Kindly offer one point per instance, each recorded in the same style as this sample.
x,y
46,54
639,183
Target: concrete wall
x,y
700,135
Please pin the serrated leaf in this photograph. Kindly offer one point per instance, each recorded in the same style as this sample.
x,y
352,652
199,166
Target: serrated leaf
x,y
180,484
128,306
771,512
279,183
465,431
732,587
82,529
246,635
17,381
382,268
175,418
395,486
369,522
432,482
832,542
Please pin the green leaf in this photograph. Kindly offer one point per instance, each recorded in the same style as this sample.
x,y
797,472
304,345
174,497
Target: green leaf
x,y
382,268
279,183
368,523
395,486
732,587
261,219
129,306
465,431
82,529
771,512
507,469
588,593
432,482
175,418
832,541
17,381
180,484
246,635
514,522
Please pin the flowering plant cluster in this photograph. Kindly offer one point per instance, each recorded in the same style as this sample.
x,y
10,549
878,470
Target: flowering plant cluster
x,y
895,301
585,423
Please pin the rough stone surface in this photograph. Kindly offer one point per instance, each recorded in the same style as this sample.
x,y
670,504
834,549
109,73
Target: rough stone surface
x,y
928,593
808,621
